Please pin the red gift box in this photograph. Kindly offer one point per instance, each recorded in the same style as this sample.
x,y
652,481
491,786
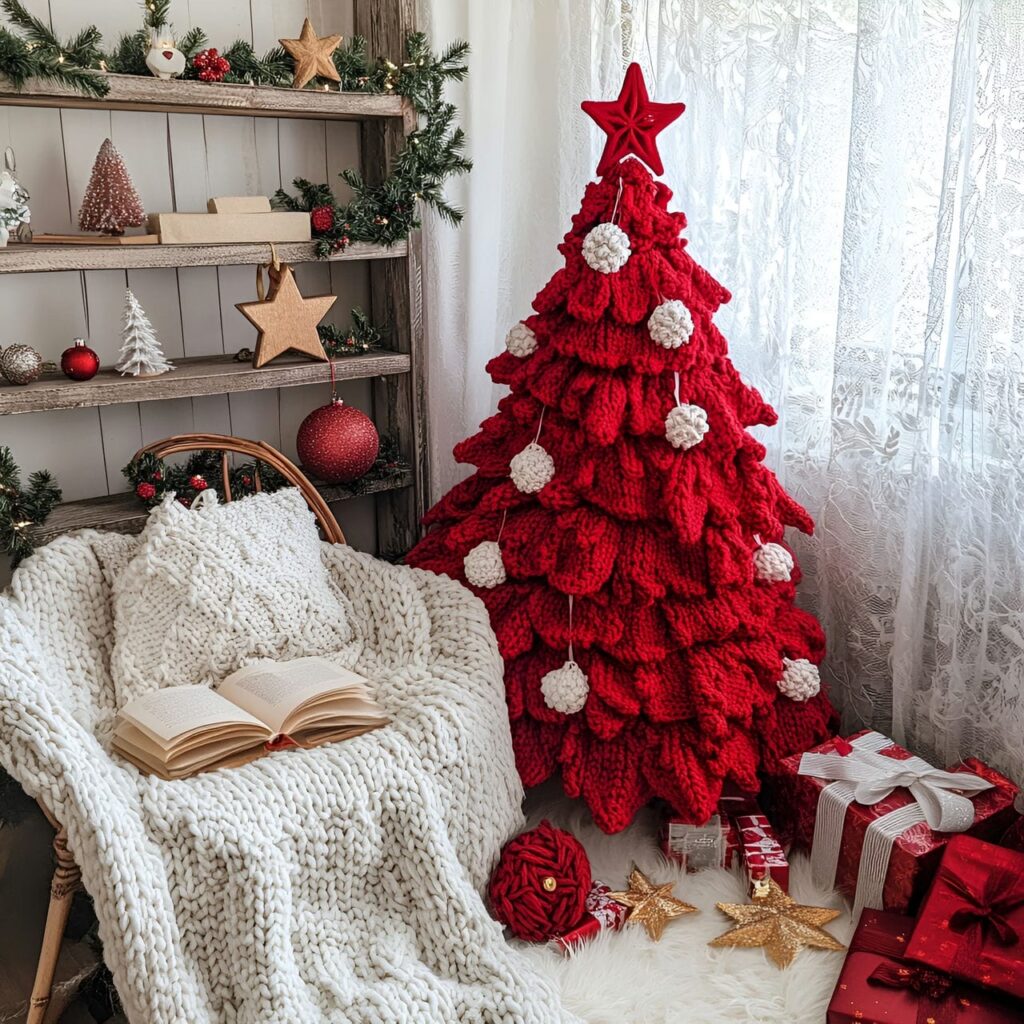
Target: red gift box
x,y
972,920
601,913
761,850
877,985
915,852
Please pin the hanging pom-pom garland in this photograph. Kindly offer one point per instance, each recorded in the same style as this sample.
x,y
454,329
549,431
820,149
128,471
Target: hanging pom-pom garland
x,y
800,680
533,467
671,324
685,425
565,689
772,562
521,341
483,565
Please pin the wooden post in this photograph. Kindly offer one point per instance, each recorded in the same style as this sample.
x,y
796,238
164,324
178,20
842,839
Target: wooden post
x,y
397,297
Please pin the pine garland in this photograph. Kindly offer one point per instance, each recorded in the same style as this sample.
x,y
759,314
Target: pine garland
x,y
22,508
362,336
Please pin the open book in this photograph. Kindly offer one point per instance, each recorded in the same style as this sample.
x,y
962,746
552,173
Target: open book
x,y
181,730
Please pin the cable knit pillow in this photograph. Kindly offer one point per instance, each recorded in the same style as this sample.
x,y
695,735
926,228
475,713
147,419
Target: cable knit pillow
x,y
213,587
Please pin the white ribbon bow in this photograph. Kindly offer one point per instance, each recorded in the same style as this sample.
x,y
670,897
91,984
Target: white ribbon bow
x,y
866,776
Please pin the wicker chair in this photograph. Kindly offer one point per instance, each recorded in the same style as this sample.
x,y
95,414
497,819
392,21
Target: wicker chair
x,y
67,876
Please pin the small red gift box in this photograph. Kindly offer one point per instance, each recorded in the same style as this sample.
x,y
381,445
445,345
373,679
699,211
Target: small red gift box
x,y
905,856
601,913
971,923
761,850
878,986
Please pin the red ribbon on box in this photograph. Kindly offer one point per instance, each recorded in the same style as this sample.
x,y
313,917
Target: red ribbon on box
x,y
601,912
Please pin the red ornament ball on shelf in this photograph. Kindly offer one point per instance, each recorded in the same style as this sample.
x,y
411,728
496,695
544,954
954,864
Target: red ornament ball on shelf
x,y
79,362
145,491
322,218
337,443
539,887
198,483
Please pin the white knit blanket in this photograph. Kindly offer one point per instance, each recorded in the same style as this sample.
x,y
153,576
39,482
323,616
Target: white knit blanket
x,y
340,884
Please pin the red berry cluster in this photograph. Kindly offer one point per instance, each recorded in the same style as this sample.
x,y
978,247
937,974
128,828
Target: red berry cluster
x,y
212,67
322,218
198,483
145,491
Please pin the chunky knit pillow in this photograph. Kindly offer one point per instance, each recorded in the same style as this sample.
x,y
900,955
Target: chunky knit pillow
x,y
213,587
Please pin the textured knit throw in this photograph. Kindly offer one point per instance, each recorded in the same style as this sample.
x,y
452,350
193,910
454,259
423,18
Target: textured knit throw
x,y
335,885
650,521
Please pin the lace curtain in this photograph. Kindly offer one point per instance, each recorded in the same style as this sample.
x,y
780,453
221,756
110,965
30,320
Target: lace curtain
x,y
854,173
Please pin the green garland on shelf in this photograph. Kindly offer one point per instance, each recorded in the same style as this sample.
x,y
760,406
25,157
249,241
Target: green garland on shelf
x,y
382,213
154,479
361,337
22,508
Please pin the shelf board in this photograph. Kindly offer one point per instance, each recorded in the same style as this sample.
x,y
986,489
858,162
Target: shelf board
x,y
123,513
199,375
24,258
175,96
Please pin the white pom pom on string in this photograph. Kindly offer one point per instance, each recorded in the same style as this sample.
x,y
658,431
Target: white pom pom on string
x,y
800,680
565,689
606,248
671,324
773,562
521,341
531,469
685,426
483,565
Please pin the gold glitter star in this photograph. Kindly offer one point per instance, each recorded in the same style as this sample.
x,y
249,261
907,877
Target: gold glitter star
x,y
778,923
652,905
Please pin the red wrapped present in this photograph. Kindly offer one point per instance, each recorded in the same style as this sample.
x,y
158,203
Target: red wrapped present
x,y
761,850
877,985
601,913
874,816
971,923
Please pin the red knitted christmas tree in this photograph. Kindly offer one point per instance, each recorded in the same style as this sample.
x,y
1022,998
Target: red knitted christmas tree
x,y
624,534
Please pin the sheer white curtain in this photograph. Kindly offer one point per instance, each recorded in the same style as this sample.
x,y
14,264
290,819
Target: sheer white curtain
x,y
854,173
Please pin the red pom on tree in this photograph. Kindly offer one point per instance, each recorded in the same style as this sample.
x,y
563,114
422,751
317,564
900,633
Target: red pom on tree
x,y
198,483
337,443
539,887
145,491
322,218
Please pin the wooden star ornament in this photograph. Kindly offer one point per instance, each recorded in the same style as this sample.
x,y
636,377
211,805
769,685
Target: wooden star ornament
x,y
777,923
652,905
312,55
285,320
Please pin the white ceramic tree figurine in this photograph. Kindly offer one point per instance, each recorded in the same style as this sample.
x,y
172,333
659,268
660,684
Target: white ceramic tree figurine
x,y
141,355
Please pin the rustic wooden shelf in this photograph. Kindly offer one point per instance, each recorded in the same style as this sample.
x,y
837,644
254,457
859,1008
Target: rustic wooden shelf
x,y
20,258
200,375
135,92
124,513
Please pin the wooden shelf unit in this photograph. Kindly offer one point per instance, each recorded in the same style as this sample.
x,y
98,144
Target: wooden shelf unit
x,y
394,273
29,258
190,378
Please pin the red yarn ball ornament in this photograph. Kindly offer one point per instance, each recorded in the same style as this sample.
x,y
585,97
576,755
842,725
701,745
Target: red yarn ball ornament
x,y
337,443
79,362
539,887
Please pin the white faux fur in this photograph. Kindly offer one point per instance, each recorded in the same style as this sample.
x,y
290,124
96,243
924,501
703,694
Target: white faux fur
x,y
624,978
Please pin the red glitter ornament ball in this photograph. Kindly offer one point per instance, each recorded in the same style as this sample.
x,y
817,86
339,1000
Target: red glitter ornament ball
x,y
79,362
337,443
539,887
145,491
322,218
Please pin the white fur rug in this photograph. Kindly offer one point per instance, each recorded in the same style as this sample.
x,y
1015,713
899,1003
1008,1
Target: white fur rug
x,y
624,978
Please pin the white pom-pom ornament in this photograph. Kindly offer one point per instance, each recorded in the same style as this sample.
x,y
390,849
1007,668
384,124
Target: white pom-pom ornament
x,y
773,562
521,341
606,248
531,469
483,565
800,680
686,425
565,689
670,324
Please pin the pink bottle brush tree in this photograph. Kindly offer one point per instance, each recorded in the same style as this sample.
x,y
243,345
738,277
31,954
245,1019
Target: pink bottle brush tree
x,y
111,203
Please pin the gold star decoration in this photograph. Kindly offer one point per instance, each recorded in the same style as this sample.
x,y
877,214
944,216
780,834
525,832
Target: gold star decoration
x,y
777,923
651,905
285,320
312,55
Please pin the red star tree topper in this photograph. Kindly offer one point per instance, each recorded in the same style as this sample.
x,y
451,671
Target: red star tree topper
x,y
621,527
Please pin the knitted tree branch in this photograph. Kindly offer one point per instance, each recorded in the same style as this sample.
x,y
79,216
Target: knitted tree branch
x,y
641,595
